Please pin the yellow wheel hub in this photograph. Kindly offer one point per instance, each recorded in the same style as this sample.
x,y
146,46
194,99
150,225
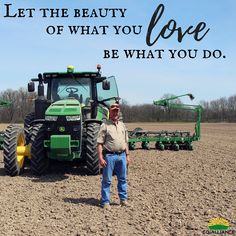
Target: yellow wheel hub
x,y
22,150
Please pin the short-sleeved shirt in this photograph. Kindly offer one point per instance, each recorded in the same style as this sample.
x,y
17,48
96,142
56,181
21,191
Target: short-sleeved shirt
x,y
114,137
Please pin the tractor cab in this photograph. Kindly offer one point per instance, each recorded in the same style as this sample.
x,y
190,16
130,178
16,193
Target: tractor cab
x,y
94,92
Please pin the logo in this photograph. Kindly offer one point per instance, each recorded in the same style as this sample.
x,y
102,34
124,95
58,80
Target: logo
x,y
219,226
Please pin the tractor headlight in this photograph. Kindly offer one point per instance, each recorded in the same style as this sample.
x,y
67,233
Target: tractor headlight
x,y
51,118
72,118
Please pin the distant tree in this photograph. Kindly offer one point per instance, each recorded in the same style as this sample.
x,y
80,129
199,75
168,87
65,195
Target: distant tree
x,y
231,108
20,105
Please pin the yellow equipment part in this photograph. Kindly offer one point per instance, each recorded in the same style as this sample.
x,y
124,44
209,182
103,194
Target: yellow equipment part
x,y
22,150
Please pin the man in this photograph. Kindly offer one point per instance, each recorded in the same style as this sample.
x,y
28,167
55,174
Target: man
x,y
113,143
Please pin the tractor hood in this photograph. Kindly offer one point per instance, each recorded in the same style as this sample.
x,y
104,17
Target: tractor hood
x,y
65,107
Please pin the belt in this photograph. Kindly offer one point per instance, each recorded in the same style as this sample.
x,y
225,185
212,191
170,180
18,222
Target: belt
x,y
115,153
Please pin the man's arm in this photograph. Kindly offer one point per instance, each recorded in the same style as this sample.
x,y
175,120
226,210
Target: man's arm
x,y
102,161
128,160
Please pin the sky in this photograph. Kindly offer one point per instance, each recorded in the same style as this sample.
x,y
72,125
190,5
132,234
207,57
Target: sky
x,y
27,49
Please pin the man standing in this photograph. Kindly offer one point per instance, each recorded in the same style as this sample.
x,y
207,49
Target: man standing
x,y
113,143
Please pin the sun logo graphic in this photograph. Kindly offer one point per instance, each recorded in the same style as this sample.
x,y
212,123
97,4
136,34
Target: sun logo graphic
x,y
218,224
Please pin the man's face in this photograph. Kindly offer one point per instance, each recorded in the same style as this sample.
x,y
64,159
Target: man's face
x,y
114,115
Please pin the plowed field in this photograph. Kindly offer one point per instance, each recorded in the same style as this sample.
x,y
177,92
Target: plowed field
x,y
171,193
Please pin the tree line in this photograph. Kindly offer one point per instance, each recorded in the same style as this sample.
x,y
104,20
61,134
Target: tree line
x,y
219,110
21,105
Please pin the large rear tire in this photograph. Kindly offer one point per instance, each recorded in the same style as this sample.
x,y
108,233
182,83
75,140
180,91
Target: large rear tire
x,y
92,161
14,138
28,124
39,160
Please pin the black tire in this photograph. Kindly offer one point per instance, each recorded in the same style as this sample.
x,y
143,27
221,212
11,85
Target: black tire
x,y
1,139
189,147
92,161
131,146
13,163
175,147
145,145
28,124
39,160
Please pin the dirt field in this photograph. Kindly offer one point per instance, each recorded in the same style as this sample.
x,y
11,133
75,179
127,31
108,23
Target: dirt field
x,y
172,193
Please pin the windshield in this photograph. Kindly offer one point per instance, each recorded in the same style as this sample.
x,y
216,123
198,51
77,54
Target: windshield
x,y
79,89
106,94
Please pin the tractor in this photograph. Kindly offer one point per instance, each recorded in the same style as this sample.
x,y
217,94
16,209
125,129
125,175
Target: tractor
x,y
65,122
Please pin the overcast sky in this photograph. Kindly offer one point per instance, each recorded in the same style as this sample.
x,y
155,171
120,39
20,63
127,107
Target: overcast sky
x,y
27,49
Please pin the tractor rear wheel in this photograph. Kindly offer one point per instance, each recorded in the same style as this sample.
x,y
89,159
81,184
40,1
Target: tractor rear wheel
x,y
92,161
28,123
14,140
39,161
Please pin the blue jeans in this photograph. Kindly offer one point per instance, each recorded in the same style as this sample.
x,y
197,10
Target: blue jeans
x,y
116,164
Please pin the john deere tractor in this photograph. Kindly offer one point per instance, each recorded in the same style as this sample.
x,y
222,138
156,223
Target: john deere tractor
x,y
65,123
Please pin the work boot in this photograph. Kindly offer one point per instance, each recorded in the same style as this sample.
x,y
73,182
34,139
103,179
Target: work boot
x,y
125,203
106,206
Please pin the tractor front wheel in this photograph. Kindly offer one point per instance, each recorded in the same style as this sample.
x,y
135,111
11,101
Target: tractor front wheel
x,y
39,161
14,150
92,161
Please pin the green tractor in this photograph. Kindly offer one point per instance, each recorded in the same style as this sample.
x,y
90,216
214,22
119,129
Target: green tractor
x,y
65,123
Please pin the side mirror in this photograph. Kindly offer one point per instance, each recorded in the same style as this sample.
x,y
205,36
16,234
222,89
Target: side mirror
x,y
106,85
31,87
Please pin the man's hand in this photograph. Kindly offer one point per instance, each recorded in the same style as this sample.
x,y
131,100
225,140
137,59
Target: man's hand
x,y
102,162
128,159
